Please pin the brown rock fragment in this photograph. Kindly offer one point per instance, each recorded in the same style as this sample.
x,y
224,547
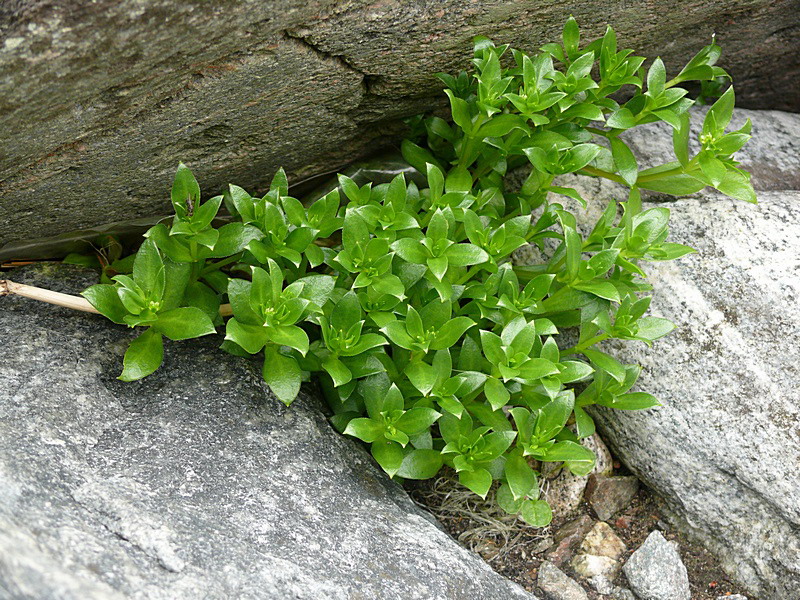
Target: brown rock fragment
x,y
609,495
567,539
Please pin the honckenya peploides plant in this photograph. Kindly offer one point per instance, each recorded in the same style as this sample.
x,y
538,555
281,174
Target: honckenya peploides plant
x,y
429,344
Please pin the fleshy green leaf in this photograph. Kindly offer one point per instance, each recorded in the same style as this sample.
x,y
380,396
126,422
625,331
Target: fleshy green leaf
x,y
337,370
463,255
282,374
388,454
608,363
422,376
520,476
584,424
105,299
496,393
460,112
451,332
250,338
291,336
479,481
185,192
579,459
624,160
676,185
719,115
396,332
184,323
143,356
536,513
420,464
367,430
600,288
652,328
148,271
506,500
416,420
634,401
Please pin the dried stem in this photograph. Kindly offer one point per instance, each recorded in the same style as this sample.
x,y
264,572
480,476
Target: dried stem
x,y
8,287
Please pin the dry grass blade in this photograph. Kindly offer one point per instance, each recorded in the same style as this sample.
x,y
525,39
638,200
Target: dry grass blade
x,y
480,525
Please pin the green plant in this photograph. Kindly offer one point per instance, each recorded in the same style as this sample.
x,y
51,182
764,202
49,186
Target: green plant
x,y
428,342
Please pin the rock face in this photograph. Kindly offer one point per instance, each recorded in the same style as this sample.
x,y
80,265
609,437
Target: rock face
x,y
192,483
99,101
724,449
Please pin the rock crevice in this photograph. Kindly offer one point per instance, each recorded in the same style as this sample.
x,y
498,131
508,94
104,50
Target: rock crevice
x,y
100,101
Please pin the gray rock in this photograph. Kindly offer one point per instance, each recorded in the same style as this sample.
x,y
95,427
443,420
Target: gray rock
x,y
723,450
609,495
622,593
101,100
539,545
655,571
557,586
733,597
193,483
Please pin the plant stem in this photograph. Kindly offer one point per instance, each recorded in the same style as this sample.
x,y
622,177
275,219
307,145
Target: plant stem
x,y
584,345
655,176
470,142
468,275
220,264
605,174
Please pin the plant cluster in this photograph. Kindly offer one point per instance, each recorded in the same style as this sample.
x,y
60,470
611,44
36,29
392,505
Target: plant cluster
x,y
429,343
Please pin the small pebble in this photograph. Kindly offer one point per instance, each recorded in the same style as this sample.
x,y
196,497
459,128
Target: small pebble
x,y
541,544
609,495
602,541
567,538
589,565
576,528
601,584
656,572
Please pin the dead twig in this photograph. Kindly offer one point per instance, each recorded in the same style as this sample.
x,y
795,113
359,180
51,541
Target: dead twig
x,y
8,287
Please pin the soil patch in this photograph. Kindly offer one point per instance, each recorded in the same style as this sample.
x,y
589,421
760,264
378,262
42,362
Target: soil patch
x,y
515,550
